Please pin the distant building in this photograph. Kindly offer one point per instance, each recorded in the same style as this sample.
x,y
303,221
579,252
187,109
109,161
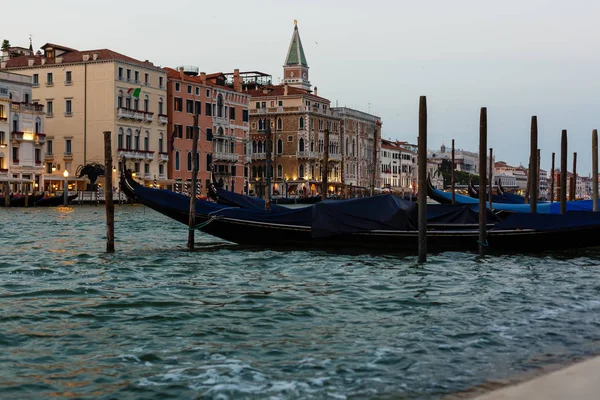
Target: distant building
x,y
465,161
510,177
22,136
398,167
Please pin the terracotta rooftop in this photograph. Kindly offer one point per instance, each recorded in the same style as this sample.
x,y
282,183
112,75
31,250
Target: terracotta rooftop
x,y
75,56
278,90
174,74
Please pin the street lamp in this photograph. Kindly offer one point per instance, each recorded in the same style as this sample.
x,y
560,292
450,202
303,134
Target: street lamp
x,y
66,189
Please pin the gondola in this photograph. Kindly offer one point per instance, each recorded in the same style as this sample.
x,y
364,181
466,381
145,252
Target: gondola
x,y
542,208
21,200
500,198
381,223
55,201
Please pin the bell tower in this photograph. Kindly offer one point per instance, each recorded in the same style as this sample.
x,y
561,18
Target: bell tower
x,y
295,69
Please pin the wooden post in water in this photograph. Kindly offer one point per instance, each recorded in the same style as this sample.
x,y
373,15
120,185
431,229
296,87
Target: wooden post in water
x,y
533,166
325,169
595,169
192,216
574,179
452,184
490,177
538,179
563,172
552,179
422,170
482,167
269,152
6,187
108,194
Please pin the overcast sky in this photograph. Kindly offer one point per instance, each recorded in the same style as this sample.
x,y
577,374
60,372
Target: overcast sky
x,y
517,58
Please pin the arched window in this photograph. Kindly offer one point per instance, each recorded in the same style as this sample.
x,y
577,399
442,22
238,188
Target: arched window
x,y
189,161
2,138
120,99
254,147
147,141
160,105
146,103
160,142
15,123
136,103
128,139
177,161
120,139
279,124
38,125
220,131
353,147
260,146
301,144
220,105
279,171
232,147
301,171
279,146
136,140
347,146
301,122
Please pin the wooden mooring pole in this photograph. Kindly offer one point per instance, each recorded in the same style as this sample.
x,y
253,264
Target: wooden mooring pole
x,y
490,177
422,170
563,172
595,169
482,168
192,216
533,166
573,179
108,194
552,179
268,164
452,183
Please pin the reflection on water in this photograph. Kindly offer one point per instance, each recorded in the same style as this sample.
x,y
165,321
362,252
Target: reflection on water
x,y
156,320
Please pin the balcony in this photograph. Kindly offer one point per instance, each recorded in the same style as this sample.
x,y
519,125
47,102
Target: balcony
x,y
3,119
227,157
311,155
15,161
163,157
132,154
220,120
38,163
48,157
335,157
3,170
124,113
40,138
149,155
258,156
148,116
163,119
38,108
138,115
17,136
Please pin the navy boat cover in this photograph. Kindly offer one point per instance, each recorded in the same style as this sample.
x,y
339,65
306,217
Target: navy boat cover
x,y
549,222
336,217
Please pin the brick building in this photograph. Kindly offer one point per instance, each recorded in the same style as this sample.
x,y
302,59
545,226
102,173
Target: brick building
x,y
223,121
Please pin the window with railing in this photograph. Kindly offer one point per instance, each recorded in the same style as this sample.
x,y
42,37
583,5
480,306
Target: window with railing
x,y
68,149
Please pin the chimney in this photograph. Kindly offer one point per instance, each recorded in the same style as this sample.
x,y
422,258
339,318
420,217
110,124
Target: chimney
x,y
43,61
95,56
203,77
285,89
58,60
86,57
181,73
30,62
316,91
237,82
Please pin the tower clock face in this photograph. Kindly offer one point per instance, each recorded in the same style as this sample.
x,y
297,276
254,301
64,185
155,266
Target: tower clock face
x,y
304,75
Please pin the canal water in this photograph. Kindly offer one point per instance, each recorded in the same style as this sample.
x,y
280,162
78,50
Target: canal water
x,y
155,321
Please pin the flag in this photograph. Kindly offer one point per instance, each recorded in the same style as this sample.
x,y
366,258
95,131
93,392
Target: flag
x,y
172,142
134,92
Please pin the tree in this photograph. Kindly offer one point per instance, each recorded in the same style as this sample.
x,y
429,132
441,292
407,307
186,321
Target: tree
x,y
5,45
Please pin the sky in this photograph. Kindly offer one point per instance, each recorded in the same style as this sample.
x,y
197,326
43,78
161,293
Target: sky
x,y
517,58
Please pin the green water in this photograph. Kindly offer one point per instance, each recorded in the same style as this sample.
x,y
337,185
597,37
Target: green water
x,y
155,321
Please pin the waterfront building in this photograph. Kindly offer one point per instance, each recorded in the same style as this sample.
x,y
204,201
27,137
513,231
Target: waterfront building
x,y
22,135
88,92
223,121
512,178
398,167
360,131
465,161
296,119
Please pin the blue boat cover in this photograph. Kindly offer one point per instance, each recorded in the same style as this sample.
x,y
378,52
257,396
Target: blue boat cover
x,y
545,222
456,214
336,217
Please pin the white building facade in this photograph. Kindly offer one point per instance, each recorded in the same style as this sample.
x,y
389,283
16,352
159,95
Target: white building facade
x,y
398,167
22,136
